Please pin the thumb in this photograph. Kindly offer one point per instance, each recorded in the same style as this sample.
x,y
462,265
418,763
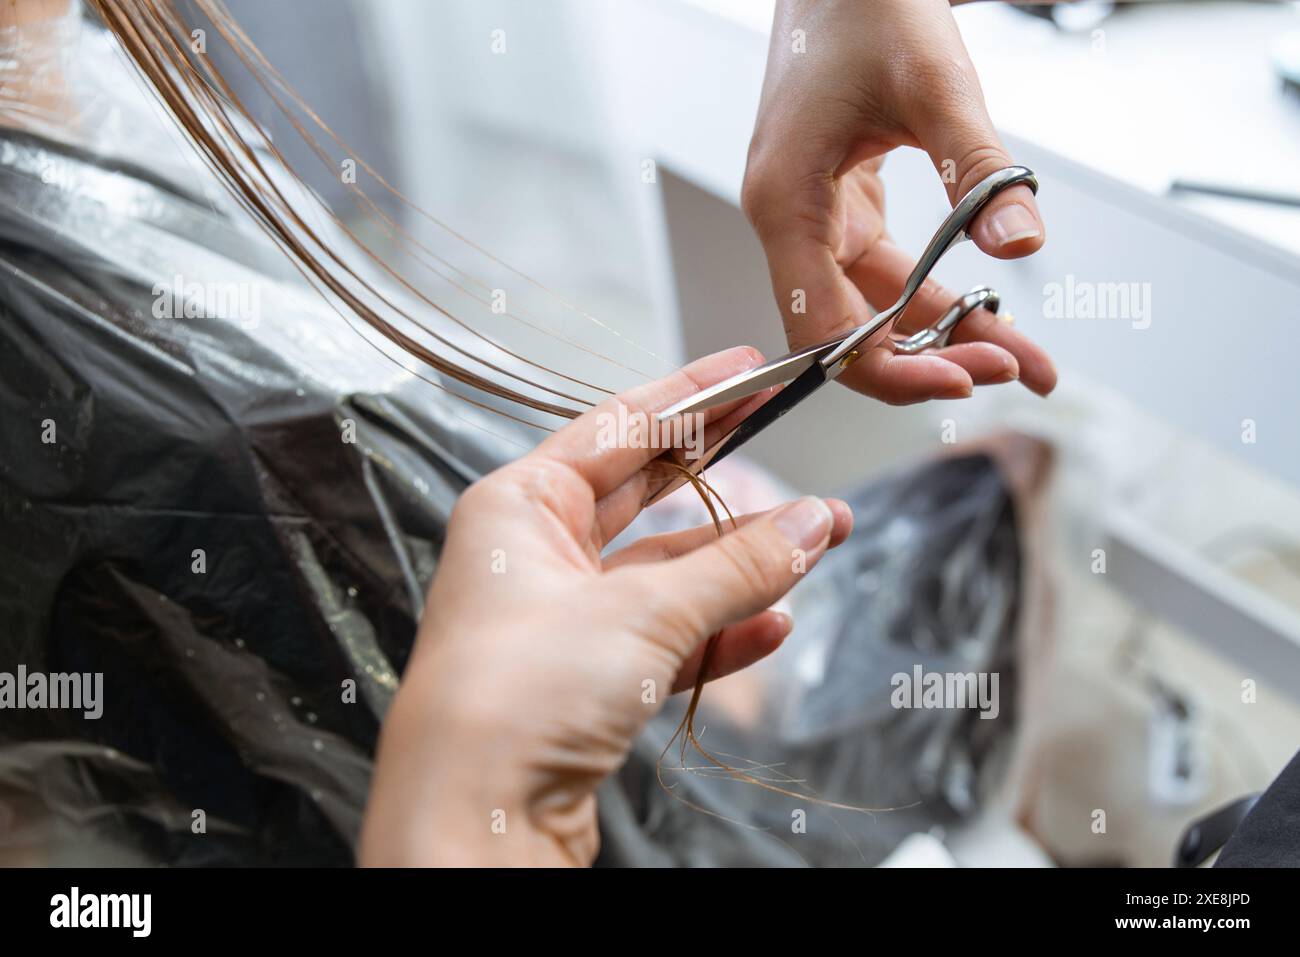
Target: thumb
x,y
965,148
740,574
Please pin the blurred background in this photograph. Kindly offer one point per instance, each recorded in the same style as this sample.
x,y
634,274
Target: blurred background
x,y
599,147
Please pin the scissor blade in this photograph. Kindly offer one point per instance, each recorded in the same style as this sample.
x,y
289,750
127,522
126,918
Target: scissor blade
x,y
808,382
752,381
805,385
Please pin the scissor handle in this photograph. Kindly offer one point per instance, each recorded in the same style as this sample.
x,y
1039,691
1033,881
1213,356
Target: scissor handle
x,y
936,335
950,233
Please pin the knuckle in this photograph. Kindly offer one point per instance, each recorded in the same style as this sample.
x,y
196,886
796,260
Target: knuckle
x,y
941,74
633,403
777,192
681,627
534,474
976,163
750,563
755,191
638,412
549,484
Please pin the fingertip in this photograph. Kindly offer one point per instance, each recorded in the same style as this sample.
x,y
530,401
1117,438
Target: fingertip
x,y
1037,370
739,646
957,385
842,525
738,358
778,627
1044,381
1011,227
761,635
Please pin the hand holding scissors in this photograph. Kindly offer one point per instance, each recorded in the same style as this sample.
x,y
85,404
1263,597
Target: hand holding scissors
x,y
804,371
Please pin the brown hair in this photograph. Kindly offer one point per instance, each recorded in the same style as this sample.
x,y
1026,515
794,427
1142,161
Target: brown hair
x,y
217,123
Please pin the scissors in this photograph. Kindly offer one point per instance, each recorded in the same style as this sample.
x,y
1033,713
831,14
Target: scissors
x,y
806,370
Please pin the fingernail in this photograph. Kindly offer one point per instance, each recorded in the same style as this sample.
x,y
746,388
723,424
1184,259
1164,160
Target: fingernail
x,y
1011,224
806,523
1008,375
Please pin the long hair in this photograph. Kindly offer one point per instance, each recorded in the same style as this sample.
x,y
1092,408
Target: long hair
x,y
170,56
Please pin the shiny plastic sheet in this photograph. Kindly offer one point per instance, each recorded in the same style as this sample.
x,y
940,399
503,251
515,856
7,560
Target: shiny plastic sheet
x,y
928,584
227,519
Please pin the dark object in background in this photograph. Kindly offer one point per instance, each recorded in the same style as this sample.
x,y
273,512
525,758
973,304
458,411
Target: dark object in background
x,y
931,579
1269,836
1286,61
1204,837
1074,17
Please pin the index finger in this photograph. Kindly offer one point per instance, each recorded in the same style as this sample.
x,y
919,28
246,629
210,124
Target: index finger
x,y
610,443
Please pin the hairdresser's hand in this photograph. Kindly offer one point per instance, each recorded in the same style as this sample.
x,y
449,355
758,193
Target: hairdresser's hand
x,y
874,75
537,662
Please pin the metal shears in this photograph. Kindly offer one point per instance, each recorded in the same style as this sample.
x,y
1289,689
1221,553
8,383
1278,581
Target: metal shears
x,y
807,370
